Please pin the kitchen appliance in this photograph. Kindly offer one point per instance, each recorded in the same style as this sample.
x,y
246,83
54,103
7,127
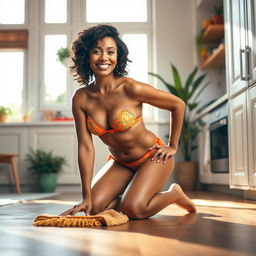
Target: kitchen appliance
x,y
219,139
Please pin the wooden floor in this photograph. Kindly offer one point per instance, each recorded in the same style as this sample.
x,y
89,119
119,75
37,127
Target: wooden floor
x,y
222,226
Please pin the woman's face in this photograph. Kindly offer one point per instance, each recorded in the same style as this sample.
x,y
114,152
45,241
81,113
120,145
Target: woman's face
x,y
103,58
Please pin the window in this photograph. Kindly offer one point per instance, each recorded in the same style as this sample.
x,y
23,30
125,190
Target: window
x,y
116,11
12,11
11,80
55,73
138,54
47,84
53,16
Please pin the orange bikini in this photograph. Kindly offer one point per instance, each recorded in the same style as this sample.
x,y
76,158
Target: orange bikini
x,y
123,122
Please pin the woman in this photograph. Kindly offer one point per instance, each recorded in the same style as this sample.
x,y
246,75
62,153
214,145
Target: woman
x,y
110,106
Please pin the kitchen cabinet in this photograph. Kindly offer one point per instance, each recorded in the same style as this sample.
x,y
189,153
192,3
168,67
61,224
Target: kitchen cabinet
x,y
238,148
251,9
240,34
252,136
235,37
240,22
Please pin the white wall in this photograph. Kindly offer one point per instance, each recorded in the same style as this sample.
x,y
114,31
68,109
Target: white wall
x,y
174,40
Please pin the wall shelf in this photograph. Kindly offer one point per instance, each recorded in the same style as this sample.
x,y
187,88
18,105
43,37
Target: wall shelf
x,y
213,33
216,59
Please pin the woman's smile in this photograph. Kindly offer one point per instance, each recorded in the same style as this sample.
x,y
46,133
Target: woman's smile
x,y
104,56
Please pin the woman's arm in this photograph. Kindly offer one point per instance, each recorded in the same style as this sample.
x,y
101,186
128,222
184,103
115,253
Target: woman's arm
x,y
86,154
161,99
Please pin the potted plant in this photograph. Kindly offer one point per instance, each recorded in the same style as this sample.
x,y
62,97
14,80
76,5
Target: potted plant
x,y
46,166
63,55
218,14
27,115
4,112
189,93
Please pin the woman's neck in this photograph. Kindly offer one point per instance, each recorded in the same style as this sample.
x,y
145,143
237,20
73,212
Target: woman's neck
x,y
104,83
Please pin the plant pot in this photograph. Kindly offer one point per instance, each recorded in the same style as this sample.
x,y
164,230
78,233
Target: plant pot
x,y
217,19
26,118
186,173
47,182
3,118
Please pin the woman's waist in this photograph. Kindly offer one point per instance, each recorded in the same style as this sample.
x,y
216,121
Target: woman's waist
x,y
135,150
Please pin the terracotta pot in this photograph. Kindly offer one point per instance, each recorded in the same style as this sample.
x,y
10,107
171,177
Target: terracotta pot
x,y
3,118
26,118
217,19
186,173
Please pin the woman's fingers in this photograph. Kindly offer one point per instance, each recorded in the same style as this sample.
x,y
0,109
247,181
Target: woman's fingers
x,y
154,146
66,212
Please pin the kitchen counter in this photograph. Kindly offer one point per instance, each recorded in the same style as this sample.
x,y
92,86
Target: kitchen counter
x,y
209,108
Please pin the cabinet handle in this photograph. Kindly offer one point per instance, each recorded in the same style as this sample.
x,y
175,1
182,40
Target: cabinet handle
x,y
241,65
248,61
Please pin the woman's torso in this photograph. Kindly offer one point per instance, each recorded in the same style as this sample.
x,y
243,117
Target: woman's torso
x,y
127,144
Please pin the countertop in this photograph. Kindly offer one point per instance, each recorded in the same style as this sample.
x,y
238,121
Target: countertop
x,y
215,104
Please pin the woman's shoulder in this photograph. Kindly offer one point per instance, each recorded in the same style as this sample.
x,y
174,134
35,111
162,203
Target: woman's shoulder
x,y
80,95
133,86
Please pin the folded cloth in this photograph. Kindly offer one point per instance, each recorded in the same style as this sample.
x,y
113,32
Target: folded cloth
x,y
105,218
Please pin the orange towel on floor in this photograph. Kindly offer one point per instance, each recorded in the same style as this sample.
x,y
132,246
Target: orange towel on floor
x,y
105,218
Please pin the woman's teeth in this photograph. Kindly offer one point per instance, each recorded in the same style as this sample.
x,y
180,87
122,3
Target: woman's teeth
x,y
103,66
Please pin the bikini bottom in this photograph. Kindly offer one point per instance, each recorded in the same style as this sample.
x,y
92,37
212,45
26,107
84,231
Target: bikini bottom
x,y
137,163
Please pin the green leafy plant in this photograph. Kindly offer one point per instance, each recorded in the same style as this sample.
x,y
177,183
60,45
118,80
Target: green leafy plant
x,y
189,93
218,9
5,110
63,53
44,162
28,112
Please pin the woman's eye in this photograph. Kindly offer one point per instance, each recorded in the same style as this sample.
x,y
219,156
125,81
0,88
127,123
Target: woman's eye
x,y
95,51
111,52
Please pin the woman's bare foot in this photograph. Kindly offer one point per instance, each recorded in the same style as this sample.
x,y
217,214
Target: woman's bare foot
x,y
183,201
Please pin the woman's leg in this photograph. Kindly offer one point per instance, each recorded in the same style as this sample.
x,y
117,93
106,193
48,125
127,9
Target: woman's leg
x,y
143,198
107,186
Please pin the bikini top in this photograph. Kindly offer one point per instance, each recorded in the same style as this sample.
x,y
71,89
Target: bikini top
x,y
123,122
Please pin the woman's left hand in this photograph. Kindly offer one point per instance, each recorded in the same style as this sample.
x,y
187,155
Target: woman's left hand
x,y
162,152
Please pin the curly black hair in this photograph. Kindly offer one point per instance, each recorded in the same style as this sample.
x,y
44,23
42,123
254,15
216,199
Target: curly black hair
x,y
86,41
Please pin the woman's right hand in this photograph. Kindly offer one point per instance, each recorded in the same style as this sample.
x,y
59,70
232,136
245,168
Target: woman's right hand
x,y
85,205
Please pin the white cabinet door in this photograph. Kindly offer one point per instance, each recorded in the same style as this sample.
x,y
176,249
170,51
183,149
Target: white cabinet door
x,y
235,39
61,141
238,143
252,136
204,152
13,140
251,10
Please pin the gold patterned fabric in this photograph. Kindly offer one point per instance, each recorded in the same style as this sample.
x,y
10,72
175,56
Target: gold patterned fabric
x,y
105,218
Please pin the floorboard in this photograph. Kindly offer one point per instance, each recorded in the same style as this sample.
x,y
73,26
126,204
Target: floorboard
x,y
223,225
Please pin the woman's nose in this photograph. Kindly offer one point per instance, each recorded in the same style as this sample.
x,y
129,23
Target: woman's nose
x,y
103,57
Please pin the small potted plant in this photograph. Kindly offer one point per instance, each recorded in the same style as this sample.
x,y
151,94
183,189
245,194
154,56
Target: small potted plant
x,y
27,115
63,55
218,14
4,112
46,166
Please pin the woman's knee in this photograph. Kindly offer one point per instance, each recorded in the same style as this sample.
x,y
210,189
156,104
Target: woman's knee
x,y
134,210
98,205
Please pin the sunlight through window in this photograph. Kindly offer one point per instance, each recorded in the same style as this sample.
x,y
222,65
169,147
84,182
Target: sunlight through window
x,y
116,11
55,73
53,16
12,11
138,54
11,79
